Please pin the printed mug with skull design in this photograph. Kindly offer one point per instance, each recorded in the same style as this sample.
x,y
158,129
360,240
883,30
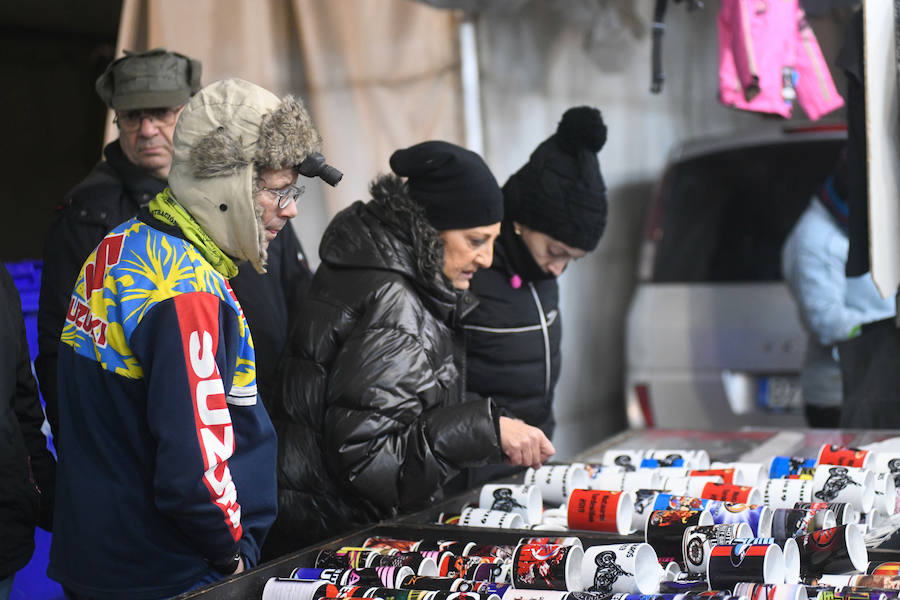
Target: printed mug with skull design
x,y
620,568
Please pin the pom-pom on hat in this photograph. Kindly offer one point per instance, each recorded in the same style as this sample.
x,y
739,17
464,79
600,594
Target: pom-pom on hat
x,y
560,190
454,185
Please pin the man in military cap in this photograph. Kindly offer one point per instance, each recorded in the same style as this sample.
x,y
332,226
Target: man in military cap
x,y
148,91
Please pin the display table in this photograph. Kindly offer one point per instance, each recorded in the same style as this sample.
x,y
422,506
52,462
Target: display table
x,y
747,445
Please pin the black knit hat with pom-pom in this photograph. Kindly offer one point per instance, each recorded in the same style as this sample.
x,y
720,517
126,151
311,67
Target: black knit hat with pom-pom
x,y
560,191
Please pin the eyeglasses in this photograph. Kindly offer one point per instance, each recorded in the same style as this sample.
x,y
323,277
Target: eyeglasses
x,y
131,120
286,195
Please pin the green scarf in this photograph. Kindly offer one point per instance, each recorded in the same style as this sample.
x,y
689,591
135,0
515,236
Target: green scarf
x,y
165,208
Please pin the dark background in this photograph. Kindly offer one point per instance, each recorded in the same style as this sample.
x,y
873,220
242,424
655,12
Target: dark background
x,y
51,52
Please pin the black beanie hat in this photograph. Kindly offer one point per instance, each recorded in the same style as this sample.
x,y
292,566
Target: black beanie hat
x,y
560,191
453,184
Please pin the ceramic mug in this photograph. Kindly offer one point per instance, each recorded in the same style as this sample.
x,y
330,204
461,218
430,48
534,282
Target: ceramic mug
x,y
743,561
789,548
694,459
753,474
627,459
598,510
739,494
784,493
699,540
547,567
522,499
556,482
830,454
844,514
836,550
480,517
665,531
282,588
757,516
620,568
845,484
781,467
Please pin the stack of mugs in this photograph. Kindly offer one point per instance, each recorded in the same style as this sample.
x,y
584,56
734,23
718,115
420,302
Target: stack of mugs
x,y
533,569
793,528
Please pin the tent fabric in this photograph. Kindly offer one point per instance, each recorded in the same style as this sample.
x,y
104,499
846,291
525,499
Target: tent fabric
x,y
375,75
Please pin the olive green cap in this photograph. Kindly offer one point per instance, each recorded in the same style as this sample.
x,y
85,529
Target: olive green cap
x,y
153,79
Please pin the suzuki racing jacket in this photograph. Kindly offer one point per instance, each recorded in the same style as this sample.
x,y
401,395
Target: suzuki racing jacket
x,y
166,456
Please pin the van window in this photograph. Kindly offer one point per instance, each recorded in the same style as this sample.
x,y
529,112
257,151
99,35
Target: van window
x,y
723,217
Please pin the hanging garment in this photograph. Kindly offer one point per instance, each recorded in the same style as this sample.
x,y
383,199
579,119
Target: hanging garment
x,y
769,57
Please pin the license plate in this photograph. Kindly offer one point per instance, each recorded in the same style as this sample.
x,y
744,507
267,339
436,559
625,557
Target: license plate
x,y
778,394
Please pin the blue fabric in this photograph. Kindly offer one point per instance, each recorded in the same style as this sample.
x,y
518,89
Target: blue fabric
x,y
832,307
813,259
167,458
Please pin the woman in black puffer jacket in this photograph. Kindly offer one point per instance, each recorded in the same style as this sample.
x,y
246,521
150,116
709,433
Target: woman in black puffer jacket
x,y
374,417
555,212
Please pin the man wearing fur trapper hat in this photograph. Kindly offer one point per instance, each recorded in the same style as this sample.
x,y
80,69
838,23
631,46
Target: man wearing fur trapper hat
x,y
147,91
167,458
554,213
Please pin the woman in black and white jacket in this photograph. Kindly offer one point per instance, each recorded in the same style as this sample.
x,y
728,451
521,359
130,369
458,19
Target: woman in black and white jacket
x,y
555,212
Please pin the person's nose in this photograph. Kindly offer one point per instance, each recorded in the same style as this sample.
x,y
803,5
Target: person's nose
x,y
290,211
486,257
148,127
556,267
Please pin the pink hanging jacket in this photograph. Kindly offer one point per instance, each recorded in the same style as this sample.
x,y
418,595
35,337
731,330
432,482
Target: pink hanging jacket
x,y
768,55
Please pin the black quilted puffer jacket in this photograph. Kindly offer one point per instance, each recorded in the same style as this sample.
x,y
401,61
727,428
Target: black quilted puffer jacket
x,y
373,418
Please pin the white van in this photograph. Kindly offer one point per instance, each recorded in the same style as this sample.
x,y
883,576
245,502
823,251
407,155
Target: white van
x,y
713,337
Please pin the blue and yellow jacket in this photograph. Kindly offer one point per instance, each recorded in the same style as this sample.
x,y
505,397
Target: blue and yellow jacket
x,y
166,455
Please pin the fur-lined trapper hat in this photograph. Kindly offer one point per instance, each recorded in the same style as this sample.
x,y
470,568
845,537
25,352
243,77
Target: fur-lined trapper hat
x,y
226,129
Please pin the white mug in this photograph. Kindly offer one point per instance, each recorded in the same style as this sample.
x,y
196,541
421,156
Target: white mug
x,y
282,588
627,459
479,517
885,493
688,486
852,485
556,482
791,561
790,552
643,506
693,459
523,499
888,462
784,493
625,480
753,474
620,568
666,472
